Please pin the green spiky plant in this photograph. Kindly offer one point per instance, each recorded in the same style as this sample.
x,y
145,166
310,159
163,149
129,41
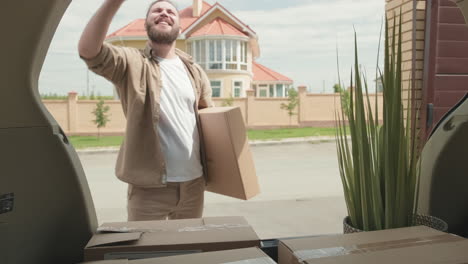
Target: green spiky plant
x,y
379,166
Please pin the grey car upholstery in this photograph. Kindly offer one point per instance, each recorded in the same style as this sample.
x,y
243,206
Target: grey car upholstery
x,y
46,211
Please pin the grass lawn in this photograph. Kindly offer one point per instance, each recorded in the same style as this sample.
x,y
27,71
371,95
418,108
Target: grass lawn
x,y
80,142
110,141
290,133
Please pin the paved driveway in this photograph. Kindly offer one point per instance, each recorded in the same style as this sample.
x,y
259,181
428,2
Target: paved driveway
x,y
301,191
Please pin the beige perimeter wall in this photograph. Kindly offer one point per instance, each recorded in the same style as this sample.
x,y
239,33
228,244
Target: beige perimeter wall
x,y
76,118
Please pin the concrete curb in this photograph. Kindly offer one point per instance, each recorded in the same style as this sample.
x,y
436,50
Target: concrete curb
x,y
253,143
98,150
291,141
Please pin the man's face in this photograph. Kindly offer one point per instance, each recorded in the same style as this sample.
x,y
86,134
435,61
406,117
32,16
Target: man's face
x,y
162,23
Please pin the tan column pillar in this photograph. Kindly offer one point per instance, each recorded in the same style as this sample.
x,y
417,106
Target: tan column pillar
x,y
302,90
72,111
249,106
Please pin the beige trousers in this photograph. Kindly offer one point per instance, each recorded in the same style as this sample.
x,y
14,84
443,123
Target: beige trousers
x,y
178,200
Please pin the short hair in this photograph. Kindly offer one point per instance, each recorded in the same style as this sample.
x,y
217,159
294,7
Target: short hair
x,y
157,1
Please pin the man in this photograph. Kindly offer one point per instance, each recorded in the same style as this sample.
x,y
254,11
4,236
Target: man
x,y
161,90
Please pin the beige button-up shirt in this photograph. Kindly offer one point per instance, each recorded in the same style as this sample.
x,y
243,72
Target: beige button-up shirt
x,y
137,78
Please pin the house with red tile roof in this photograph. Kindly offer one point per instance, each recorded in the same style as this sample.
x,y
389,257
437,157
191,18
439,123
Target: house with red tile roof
x,y
224,46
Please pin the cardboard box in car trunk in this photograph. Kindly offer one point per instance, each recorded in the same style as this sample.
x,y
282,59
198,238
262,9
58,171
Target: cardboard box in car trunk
x,y
307,250
146,239
455,252
235,256
230,166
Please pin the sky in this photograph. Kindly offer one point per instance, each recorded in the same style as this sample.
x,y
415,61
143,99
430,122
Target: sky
x,y
297,38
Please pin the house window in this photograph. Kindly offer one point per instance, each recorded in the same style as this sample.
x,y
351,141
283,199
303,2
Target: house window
x,y
288,87
216,88
203,54
189,48
243,56
194,51
231,58
272,90
218,54
237,88
279,90
212,50
228,50
199,52
215,54
219,50
234,49
263,90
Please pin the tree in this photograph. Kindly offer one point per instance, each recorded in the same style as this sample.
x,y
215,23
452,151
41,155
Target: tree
x,y
337,88
345,98
100,112
293,101
344,95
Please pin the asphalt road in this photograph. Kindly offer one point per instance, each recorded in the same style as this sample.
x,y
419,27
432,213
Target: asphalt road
x,y
300,183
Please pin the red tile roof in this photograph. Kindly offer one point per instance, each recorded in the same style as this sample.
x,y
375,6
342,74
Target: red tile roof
x,y
186,18
137,27
218,26
262,73
229,12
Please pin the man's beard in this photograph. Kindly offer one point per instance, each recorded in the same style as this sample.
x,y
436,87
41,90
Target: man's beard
x,y
158,37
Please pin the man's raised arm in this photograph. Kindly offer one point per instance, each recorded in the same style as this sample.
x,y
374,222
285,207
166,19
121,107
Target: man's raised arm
x,y
95,31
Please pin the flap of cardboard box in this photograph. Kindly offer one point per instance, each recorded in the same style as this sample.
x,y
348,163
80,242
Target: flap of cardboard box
x,y
112,238
235,256
176,232
114,261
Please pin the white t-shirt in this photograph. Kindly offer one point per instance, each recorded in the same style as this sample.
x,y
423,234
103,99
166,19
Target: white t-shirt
x,y
177,125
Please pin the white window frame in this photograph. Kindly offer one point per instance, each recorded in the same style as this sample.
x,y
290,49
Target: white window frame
x,y
262,87
194,51
223,54
282,89
215,61
286,90
243,55
221,92
242,89
205,61
189,48
241,51
274,92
